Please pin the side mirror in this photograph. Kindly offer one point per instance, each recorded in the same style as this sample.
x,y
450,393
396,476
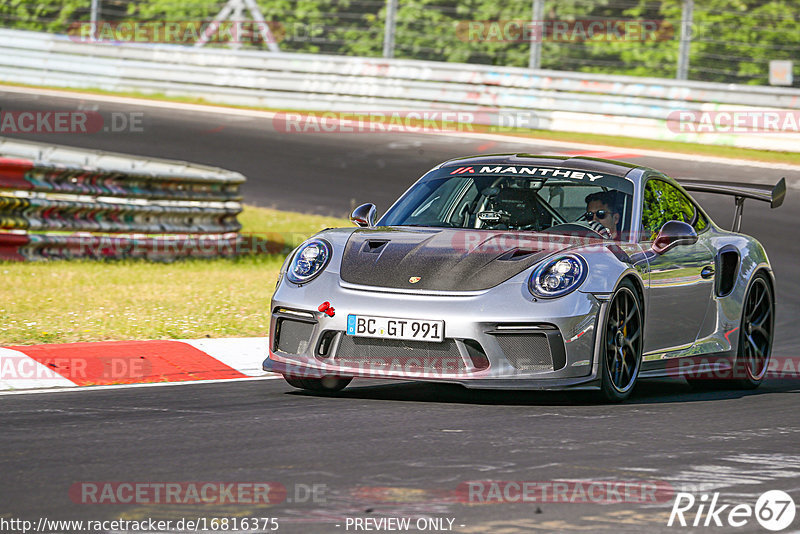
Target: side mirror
x,y
672,234
364,215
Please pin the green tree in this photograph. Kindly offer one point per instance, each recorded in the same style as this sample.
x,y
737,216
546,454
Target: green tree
x,y
43,15
732,40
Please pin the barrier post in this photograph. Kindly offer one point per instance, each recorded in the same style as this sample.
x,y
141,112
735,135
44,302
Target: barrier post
x,y
535,59
687,15
389,28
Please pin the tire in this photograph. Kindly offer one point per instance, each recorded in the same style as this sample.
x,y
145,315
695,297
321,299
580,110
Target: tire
x,y
755,334
326,384
621,344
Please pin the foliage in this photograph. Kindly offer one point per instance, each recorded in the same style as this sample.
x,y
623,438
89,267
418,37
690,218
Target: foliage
x,y
662,203
43,15
732,40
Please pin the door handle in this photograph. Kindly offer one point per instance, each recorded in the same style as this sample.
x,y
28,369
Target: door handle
x,y
707,272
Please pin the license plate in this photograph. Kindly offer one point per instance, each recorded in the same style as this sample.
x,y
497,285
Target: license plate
x,y
393,328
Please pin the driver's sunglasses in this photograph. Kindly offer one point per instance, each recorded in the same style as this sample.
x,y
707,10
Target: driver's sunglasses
x,y
601,214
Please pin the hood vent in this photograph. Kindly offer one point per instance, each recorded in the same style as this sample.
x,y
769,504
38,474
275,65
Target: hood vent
x,y
517,254
373,246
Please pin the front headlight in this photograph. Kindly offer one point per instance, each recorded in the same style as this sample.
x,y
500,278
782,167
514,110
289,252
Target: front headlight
x,y
310,259
558,276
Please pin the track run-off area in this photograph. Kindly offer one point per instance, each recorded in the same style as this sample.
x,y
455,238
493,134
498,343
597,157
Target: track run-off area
x,y
381,450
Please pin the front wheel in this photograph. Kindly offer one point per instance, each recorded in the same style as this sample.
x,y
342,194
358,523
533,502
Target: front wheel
x,y
326,384
621,344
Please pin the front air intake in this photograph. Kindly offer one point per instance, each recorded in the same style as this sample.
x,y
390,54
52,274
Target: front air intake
x,y
527,352
292,336
399,355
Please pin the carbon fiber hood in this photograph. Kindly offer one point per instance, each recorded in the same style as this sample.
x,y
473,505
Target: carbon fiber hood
x,y
443,259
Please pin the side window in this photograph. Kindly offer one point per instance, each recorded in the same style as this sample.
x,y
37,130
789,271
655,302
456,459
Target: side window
x,y
700,222
664,202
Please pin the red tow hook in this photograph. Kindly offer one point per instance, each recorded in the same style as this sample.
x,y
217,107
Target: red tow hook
x,y
327,309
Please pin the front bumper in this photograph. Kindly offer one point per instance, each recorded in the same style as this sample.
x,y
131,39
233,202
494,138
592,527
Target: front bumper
x,y
501,338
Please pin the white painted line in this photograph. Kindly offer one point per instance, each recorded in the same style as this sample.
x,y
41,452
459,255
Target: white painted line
x,y
270,376
221,110
243,354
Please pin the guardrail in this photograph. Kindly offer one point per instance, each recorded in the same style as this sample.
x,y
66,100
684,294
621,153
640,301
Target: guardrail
x,y
58,202
562,101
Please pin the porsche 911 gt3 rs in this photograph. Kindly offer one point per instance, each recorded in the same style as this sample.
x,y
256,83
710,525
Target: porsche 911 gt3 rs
x,y
516,271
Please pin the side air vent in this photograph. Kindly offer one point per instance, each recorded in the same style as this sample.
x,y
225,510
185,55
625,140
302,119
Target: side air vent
x,y
727,269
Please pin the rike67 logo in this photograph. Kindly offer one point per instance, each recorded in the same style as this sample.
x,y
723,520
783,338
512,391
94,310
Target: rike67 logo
x,y
774,510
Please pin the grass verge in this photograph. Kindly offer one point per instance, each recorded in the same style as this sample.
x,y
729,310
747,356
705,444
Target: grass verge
x,y
597,139
73,301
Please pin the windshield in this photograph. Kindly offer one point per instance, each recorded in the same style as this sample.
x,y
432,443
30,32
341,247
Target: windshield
x,y
506,197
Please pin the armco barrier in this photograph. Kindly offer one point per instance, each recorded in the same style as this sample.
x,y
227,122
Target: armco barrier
x,y
564,101
58,202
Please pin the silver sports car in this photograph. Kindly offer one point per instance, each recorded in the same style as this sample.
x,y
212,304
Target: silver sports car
x,y
517,271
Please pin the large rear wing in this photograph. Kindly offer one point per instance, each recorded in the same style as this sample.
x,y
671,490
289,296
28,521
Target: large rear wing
x,y
774,194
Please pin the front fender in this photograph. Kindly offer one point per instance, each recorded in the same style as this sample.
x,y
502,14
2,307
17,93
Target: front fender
x,y
609,264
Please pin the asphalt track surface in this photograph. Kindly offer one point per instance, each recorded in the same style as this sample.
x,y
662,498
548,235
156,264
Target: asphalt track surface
x,y
398,449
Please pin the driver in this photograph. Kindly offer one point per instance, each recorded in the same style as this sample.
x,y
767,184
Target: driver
x,y
602,213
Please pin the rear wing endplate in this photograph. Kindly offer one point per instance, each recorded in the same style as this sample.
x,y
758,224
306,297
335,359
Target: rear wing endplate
x,y
775,195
